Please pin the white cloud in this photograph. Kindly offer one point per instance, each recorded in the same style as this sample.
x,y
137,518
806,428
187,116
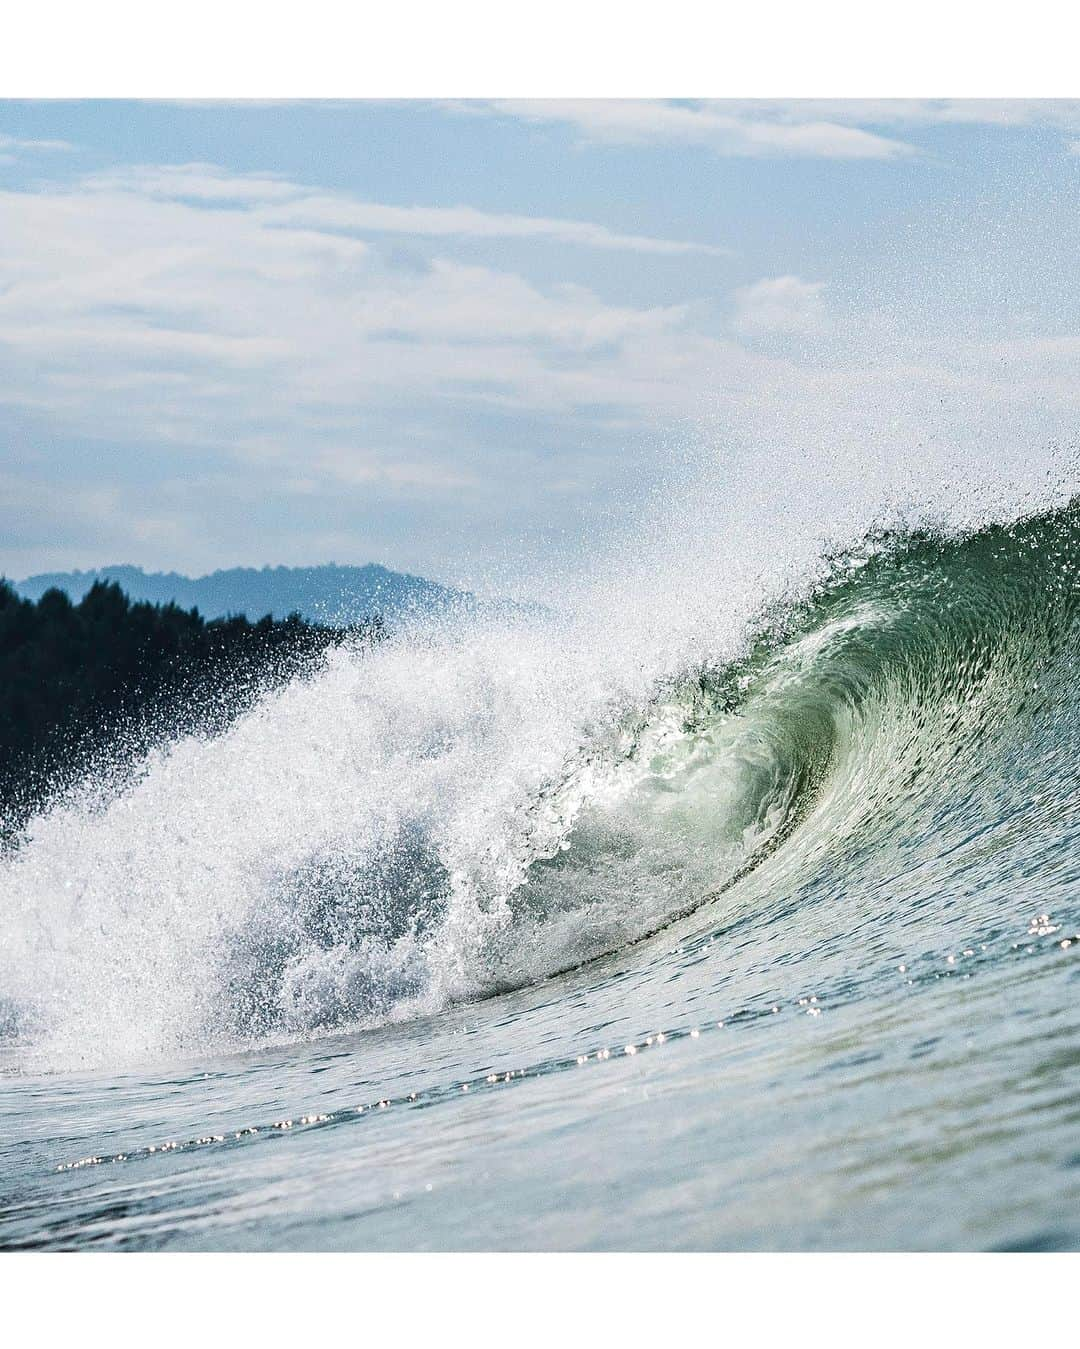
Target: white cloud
x,y
911,112
15,145
195,182
281,202
466,222
740,130
782,305
807,128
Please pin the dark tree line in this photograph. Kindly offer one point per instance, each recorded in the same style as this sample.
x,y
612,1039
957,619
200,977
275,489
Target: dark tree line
x,y
102,680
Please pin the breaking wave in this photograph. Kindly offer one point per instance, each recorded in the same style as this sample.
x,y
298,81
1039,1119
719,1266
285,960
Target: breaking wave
x,y
462,811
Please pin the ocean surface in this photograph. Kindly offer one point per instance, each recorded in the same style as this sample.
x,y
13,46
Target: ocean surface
x,y
731,914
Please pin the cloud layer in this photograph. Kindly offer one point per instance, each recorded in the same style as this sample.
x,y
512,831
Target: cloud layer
x,y
282,378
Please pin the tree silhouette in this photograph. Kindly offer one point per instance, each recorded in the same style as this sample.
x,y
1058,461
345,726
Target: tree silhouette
x,y
98,682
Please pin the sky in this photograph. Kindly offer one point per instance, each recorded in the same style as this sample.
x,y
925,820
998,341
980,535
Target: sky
x,y
445,336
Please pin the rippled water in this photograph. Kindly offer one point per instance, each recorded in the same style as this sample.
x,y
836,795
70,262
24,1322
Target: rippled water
x,y
490,944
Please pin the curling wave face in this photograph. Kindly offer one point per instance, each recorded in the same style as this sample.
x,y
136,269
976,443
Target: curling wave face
x,y
462,813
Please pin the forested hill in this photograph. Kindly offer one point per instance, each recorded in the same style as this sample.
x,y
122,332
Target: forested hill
x,y
326,594
108,677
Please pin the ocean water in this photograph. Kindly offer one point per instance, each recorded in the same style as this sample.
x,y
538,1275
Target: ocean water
x,y
739,911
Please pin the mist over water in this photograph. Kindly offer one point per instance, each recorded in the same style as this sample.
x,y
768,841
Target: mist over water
x,y
805,723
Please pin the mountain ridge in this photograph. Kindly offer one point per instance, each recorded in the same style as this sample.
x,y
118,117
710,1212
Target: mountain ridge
x,y
325,593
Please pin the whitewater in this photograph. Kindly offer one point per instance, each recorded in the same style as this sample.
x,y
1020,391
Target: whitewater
x,y
732,903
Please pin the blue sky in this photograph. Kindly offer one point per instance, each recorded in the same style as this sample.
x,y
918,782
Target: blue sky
x,y
446,336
